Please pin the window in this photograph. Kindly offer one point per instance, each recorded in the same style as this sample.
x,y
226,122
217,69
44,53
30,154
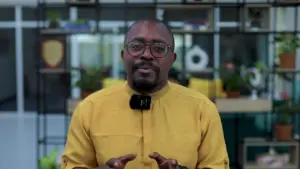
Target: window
x,y
29,66
8,90
7,14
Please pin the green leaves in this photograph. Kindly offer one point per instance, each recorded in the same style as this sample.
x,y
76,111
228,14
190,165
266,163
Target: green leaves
x,y
284,110
49,162
90,79
288,42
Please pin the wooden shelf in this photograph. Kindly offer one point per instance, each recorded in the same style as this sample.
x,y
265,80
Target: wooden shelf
x,y
185,6
262,30
63,32
263,142
52,70
238,105
280,70
243,105
79,3
258,5
191,31
258,141
257,166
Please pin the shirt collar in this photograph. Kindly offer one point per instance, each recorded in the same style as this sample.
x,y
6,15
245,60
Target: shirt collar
x,y
154,96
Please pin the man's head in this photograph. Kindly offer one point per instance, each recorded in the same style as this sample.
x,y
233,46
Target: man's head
x,y
148,55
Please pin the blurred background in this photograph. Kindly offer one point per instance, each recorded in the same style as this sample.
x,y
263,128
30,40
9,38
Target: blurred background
x,y
243,55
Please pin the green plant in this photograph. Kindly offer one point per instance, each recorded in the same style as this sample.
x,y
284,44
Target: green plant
x,y
90,79
233,83
285,109
52,15
288,42
231,77
49,162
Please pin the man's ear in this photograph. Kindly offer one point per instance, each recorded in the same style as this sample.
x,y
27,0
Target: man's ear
x,y
174,57
122,54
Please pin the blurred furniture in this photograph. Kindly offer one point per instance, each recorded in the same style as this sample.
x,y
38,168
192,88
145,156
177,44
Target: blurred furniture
x,y
271,159
224,105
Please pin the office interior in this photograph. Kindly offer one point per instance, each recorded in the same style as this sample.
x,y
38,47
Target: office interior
x,y
231,51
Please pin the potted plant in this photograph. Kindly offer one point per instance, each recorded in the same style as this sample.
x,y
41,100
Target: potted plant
x,y
90,80
255,15
284,109
288,44
53,17
232,80
50,161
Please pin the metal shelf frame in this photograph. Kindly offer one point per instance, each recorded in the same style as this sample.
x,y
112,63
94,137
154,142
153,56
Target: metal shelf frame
x,y
44,140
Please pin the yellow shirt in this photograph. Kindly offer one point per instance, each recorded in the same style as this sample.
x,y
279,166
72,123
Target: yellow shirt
x,y
181,124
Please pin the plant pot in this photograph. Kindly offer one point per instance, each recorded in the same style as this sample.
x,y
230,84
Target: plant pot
x,y
256,23
283,132
54,24
287,60
233,94
85,94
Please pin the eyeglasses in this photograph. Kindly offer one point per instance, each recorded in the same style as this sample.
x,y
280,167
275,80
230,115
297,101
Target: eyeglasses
x,y
158,50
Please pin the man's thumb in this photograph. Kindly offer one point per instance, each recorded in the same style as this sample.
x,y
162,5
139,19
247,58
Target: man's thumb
x,y
127,158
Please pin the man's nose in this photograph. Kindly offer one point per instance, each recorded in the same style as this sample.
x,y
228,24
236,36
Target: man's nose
x,y
147,54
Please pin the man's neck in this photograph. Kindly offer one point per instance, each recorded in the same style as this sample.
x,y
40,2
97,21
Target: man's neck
x,y
157,88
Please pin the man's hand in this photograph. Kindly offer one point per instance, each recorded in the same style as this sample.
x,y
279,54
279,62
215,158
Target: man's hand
x,y
120,162
164,163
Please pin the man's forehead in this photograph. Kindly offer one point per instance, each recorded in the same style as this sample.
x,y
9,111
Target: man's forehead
x,y
149,31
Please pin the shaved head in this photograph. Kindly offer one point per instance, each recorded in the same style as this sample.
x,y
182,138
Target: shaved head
x,y
148,55
156,21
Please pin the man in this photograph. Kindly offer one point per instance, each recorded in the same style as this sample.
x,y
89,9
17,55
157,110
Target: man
x,y
181,128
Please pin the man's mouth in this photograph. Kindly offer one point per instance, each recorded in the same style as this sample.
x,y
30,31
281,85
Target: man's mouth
x,y
145,69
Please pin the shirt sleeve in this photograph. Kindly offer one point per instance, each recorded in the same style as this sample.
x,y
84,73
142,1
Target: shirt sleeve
x,y
79,150
212,151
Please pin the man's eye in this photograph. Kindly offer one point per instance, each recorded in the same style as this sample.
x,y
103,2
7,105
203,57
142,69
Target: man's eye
x,y
158,48
136,46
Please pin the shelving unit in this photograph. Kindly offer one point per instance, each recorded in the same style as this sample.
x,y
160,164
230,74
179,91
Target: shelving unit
x,y
53,61
209,11
293,154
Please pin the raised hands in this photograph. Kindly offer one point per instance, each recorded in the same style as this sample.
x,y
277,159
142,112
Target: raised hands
x,y
120,162
164,163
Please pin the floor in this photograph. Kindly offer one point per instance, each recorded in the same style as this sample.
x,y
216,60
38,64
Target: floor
x,y
18,143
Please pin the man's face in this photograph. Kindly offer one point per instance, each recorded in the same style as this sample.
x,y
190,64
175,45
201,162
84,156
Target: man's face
x,y
148,56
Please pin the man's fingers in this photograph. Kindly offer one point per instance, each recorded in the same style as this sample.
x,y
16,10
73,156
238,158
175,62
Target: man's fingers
x,y
172,163
156,156
127,158
113,163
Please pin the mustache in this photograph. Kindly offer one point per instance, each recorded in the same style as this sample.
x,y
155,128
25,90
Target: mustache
x,y
149,64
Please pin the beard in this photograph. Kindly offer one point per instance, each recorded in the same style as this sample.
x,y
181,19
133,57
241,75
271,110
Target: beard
x,y
145,84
